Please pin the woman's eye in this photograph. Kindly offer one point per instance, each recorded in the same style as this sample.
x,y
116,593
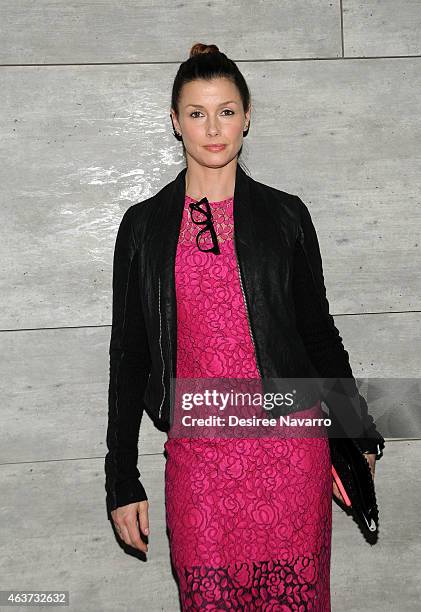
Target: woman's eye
x,y
194,113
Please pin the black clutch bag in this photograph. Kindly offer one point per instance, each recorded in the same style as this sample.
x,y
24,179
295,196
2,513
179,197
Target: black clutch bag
x,y
352,474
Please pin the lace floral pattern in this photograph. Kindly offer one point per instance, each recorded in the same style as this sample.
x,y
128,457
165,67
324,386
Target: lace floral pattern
x,y
284,584
213,338
249,519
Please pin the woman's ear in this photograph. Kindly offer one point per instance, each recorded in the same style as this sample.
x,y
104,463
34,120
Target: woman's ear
x,y
174,121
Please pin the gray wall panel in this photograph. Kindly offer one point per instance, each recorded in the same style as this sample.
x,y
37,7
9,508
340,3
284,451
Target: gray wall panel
x,y
80,32
382,27
54,534
55,388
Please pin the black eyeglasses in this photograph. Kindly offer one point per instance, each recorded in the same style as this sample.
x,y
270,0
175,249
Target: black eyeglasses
x,y
197,212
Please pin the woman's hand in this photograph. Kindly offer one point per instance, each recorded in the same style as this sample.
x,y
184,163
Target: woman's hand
x,y
336,491
130,522
371,458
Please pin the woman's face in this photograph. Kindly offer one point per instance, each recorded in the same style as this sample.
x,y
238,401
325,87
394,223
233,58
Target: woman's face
x,y
211,112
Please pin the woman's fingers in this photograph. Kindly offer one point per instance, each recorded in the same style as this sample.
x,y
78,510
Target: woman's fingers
x,y
134,535
124,534
371,459
336,492
129,520
143,515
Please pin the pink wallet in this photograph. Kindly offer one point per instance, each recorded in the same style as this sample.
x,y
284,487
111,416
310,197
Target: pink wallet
x,y
341,487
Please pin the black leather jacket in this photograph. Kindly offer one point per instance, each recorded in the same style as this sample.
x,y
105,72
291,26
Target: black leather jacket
x,y
281,276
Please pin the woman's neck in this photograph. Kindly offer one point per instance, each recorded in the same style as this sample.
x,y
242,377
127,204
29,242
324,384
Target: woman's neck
x,y
216,184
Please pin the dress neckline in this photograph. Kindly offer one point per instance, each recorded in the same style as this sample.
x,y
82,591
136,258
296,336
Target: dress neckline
x,y
214,202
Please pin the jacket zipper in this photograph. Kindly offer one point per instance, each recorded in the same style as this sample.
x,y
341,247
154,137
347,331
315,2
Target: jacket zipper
x,y
246,307
171,389
160,344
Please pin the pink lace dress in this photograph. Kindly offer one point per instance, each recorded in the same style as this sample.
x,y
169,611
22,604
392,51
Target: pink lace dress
x,y
249,519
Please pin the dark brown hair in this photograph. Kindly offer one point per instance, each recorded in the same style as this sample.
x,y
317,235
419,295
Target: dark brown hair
x,y
208,62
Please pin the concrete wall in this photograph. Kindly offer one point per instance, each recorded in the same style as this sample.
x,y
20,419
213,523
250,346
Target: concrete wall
x,y
85,132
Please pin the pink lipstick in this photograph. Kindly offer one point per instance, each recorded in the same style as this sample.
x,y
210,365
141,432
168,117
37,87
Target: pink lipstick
x,y
215,148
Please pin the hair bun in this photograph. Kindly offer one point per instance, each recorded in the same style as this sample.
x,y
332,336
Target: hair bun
x,y
200,48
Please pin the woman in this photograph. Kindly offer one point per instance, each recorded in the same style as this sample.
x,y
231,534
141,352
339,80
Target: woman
x,y
197,296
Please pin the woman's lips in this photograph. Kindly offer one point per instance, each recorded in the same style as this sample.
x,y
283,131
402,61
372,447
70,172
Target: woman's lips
x,y
215,147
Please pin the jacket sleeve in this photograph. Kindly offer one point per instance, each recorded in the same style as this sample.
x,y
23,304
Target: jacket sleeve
x,y
322,339
129,368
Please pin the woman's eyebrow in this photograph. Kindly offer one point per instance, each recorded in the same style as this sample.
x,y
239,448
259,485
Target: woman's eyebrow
x,y
221,104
